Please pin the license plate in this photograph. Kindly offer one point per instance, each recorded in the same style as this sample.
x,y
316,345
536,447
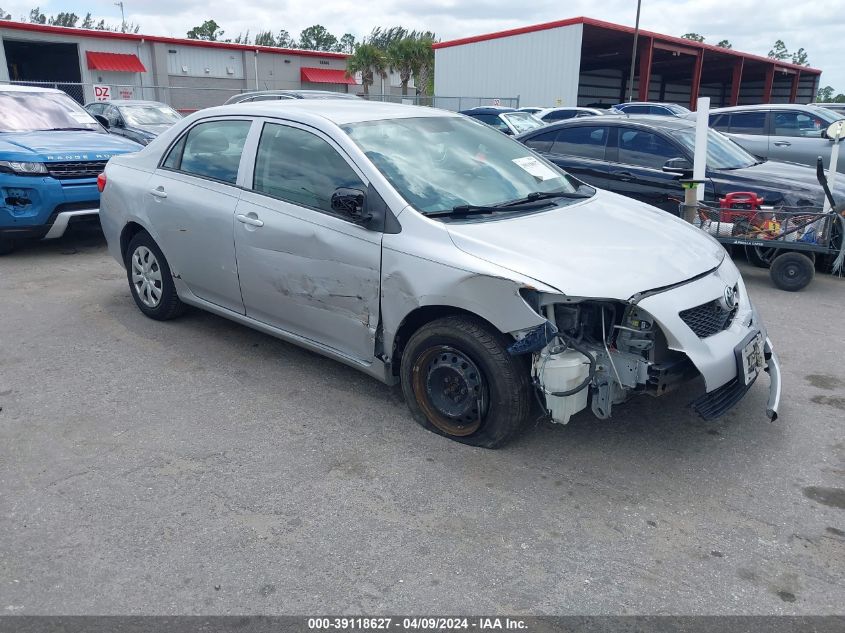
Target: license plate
x,y
751,359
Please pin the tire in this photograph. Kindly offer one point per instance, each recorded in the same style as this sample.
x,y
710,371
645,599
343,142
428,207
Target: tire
x,y
6,246
448,360
759,256
792,271
150,281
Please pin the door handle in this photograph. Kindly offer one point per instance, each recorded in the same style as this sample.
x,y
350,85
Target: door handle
x,y
783,144
624,176
158,192
250,219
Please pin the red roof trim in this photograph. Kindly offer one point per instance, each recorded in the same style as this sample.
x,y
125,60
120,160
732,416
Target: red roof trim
x,y
326,76
118,62
625,29
137,37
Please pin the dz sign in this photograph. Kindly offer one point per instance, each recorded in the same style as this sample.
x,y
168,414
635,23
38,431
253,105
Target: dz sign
x,y
102,93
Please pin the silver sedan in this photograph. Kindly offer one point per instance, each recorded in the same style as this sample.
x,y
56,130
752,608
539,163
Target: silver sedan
x,y
425,248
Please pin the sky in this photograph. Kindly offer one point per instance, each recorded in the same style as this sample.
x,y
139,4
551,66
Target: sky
x,y
751,25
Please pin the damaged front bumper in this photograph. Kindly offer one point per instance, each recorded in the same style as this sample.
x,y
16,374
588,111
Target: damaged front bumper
x,y
773,369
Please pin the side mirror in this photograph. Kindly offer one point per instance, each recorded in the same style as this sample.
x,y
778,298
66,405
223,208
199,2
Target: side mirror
x,y
351,202
836,130
679,166
102,121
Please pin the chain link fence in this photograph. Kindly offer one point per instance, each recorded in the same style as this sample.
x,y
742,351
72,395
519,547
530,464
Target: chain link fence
x,y
191,98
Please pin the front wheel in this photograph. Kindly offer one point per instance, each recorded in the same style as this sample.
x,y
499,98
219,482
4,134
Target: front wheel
x,y
460,381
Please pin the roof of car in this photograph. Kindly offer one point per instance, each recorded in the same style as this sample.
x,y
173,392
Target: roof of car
x,y
644,120
337,111
489,110
123,102
768,106
647,103
17,88
293,94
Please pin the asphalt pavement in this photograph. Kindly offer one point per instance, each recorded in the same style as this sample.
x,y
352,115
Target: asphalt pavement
x,y
200,467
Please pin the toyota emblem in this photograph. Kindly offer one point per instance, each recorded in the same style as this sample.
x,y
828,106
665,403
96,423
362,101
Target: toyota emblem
x,y
730,298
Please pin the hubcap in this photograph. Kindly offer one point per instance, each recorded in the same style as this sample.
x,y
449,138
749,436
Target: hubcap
x,y
146,277
451,390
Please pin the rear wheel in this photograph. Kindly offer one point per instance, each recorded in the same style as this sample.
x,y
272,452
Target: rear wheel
x,y
792,271
460,381
150,280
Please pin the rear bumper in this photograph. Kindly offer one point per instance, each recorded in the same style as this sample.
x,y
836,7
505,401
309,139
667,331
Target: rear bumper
x,y
62,220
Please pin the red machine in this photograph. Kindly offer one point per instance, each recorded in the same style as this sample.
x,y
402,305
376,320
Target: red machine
x,y
739,204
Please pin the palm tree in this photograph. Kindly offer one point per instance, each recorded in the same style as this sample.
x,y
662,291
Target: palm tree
x,y
403,57
369,61
424,66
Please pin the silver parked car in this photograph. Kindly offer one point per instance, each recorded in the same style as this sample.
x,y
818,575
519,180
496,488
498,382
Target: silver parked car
x,y
779,131
425,248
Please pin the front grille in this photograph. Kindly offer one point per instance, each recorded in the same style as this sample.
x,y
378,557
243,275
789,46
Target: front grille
x,y
719,401
708,319
76,169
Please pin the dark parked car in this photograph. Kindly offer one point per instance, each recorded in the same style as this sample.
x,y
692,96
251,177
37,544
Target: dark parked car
x,y
647,107
645,158
509,121
275,95
139,121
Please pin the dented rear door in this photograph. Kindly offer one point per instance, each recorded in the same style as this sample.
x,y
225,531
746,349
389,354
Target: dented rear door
x,y
302,267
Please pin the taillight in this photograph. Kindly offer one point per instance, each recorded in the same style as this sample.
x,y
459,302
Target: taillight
x,y
101,182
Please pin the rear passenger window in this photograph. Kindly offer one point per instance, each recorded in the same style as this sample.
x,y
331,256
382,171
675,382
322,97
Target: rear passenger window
x,y
211,150
748,122
300,167
587,141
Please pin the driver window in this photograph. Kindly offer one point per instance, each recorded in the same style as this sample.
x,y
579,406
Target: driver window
x,y
794,123
638,147
300,167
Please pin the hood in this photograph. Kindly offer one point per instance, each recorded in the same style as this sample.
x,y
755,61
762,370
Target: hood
x,y
776,182
61,146
606,247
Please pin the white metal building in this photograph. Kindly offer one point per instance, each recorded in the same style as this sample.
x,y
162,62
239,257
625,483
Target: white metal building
x,y
584,62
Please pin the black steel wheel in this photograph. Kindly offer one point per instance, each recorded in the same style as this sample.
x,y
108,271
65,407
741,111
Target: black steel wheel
x,y
792,271
459,381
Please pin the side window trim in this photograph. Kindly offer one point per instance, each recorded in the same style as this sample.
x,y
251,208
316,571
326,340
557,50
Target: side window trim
x,y
248,170
180,140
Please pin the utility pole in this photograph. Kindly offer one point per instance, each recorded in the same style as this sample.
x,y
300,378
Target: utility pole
x,y
123,17
634,55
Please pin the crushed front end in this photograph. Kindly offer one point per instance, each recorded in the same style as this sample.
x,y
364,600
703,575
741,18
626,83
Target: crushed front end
x,y
599,352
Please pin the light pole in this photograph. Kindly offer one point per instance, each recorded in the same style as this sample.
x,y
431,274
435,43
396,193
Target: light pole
x,y
634,55
123,17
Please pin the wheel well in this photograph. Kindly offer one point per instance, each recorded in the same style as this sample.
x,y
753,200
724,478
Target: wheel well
x,y
418,318
129,231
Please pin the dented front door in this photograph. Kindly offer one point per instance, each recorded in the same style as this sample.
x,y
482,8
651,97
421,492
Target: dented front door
x,y
303,268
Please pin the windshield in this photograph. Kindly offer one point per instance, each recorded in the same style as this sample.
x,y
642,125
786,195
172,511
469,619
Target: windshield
x,y
523,121
31,111
149,114
722,153
438,163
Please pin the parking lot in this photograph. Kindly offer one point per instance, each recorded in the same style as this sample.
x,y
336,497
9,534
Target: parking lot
x,y
197,466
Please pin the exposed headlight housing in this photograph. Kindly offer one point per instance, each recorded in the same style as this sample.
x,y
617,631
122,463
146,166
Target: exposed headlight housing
x,y
23,168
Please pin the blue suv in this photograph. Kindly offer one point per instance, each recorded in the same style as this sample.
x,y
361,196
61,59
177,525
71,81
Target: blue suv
x,y
51,152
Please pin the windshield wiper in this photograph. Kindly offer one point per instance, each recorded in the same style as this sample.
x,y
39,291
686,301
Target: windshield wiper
x,y
544,195
534,200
